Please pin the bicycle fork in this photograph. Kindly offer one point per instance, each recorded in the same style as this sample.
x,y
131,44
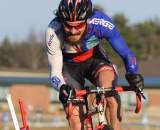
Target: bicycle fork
x,y
100,109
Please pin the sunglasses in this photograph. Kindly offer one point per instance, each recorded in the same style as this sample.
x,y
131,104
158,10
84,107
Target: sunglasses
x,y
77,27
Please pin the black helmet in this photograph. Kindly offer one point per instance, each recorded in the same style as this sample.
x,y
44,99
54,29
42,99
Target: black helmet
x,y
74,10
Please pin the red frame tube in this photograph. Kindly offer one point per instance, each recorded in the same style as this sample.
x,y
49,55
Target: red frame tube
x,y
23,115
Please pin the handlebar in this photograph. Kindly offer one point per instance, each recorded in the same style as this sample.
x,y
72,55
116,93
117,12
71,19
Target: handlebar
x,y
117,89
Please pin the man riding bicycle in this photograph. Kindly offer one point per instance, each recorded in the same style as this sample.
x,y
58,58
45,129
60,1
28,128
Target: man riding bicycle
x,y
74,53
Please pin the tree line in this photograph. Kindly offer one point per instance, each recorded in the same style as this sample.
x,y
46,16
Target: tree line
x,y
28,54
143,39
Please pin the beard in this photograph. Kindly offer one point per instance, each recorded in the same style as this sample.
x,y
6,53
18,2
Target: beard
x,y
73,38
69,37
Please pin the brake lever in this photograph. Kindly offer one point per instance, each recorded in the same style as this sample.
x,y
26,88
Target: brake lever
x,y
69,97
139,91
142,94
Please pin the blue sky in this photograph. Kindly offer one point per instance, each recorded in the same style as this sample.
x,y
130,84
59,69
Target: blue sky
x,y
18,17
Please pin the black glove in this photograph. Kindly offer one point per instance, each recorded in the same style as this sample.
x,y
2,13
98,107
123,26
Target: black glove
x,y
135,80
65,92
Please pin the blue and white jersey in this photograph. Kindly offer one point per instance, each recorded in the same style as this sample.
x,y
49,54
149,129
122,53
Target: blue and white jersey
x,y
99,26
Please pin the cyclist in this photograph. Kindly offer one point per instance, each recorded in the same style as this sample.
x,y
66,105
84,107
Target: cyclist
x,y
74,53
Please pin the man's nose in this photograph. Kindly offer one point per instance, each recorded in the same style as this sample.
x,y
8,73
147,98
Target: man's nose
x,y
73,30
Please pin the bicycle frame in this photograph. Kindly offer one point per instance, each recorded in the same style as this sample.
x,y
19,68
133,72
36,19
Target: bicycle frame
x,y
81,96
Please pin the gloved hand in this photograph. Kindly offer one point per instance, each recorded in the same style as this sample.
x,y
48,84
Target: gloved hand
x,y
64,93
135,80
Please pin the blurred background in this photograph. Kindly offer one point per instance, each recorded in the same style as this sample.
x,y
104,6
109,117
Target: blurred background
x,y
24,67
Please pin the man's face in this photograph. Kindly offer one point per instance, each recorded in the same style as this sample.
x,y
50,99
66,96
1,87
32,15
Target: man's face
x,y
74,30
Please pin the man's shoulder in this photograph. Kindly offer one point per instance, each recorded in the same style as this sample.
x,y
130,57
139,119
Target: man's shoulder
x,y
55,24
101,19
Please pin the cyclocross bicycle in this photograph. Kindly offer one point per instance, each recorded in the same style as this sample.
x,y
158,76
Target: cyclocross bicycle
x,y
81,96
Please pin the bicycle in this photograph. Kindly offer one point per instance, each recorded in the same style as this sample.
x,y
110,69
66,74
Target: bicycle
x,y
81,96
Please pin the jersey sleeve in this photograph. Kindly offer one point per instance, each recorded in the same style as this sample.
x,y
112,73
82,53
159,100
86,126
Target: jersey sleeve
x,y
110,32
55,59
120,46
